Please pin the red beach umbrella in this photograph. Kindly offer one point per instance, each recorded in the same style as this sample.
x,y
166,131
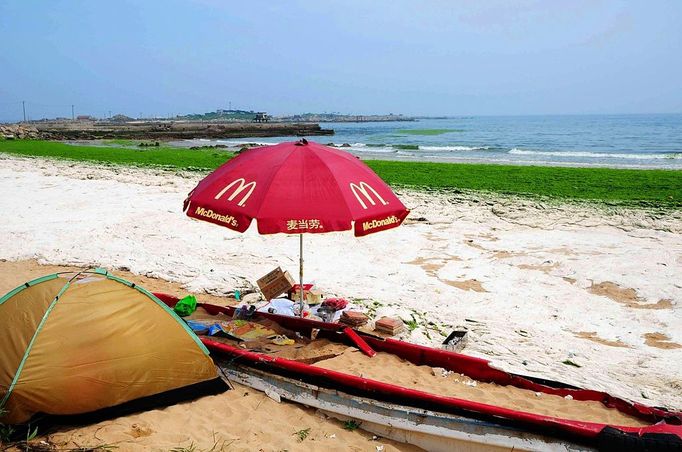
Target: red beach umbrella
x,y
296,188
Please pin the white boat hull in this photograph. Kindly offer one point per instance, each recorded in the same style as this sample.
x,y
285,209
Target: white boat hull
x,y
430,430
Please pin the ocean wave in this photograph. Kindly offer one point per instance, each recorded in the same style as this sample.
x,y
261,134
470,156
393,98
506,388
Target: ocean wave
x,y
366,147
586,154
454,148
370,147
237,143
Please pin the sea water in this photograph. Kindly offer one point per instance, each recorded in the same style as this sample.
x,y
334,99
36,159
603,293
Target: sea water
x,y
638,141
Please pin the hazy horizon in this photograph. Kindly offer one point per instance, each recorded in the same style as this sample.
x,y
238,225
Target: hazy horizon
x,y
433,59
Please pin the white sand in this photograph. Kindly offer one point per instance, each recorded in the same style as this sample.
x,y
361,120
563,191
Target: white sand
x,y
534,264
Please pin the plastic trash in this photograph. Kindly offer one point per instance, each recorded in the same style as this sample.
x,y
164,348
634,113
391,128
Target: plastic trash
x,y
281,306
282,340
244,312
186,306
197,327
214,329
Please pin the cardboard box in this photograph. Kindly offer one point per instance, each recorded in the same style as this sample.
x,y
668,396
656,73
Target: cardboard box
x,y
275,283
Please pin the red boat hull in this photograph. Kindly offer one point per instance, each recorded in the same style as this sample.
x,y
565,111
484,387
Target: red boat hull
x,y
664,425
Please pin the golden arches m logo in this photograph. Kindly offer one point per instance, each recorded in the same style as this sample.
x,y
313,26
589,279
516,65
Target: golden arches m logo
x,y
241,186
364,189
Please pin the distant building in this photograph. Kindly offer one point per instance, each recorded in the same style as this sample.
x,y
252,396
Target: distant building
x,y
261,116
84,118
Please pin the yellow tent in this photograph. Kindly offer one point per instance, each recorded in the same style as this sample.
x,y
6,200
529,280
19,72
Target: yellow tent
x,y
73,343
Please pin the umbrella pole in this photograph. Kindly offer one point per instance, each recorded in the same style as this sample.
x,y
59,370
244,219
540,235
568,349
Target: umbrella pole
x,y
300,271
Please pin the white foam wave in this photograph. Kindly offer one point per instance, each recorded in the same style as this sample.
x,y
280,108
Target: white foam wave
x,y
363,147
388,148
243,143
585,154
453,148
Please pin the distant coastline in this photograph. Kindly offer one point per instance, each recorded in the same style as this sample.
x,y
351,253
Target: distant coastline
x,y
158,130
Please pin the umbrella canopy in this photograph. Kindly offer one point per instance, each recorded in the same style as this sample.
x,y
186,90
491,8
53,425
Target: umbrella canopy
x,y
294,188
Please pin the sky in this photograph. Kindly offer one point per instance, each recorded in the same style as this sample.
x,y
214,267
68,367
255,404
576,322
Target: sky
x,y
439,57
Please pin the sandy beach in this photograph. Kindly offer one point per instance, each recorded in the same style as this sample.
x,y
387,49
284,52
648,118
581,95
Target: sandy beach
x,y
585,294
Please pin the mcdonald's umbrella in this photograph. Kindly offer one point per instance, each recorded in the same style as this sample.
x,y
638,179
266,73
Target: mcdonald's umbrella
x,y
295,188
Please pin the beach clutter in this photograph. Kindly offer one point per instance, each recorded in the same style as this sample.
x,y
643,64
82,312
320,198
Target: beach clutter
x,y
80,342
389,325
463,402
354,318
275,283
456,341
296,188
311,294
186,306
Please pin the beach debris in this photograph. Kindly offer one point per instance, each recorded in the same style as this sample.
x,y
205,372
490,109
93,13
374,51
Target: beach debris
x,y
389,325
456,341
568,397
335,304
273,395
185,306
538,394
353,318
275,283
441,372
241,330
282,340
311,294
359,342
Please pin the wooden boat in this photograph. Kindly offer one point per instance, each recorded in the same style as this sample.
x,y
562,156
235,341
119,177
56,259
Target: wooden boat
x,y
432,420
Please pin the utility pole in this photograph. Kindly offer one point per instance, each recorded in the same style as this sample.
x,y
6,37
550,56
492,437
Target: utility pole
x,y
73,115
23,105
230,105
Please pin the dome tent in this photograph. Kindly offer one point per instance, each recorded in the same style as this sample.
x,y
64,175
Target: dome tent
x,y
73,343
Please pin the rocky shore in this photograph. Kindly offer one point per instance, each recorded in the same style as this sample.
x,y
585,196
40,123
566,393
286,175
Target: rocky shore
x,y
156,130
18,131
